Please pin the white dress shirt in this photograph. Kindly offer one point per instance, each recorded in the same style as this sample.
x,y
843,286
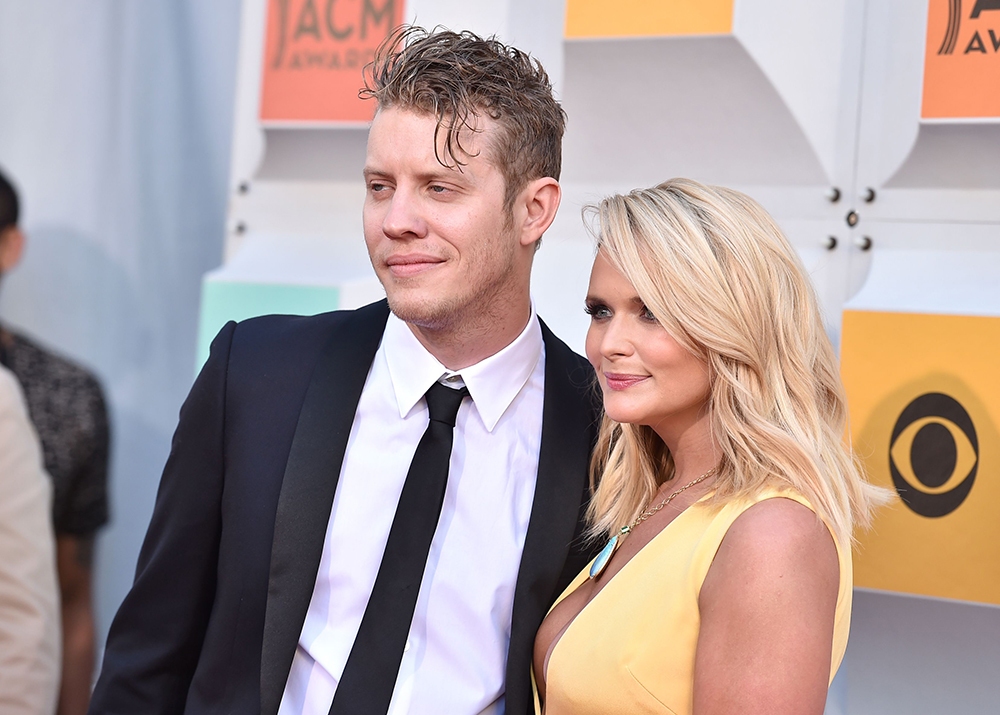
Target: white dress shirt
x,y
29,600
456,654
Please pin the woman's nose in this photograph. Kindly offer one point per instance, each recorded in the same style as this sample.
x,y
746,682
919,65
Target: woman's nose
x,y
616,340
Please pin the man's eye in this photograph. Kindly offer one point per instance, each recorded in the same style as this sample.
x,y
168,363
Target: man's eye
x,y
438,189
375,187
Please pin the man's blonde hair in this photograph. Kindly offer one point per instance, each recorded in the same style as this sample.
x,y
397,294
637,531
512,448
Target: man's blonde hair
x,y
458,77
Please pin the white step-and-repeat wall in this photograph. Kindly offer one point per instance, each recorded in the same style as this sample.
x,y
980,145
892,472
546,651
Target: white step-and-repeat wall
x,y
869,128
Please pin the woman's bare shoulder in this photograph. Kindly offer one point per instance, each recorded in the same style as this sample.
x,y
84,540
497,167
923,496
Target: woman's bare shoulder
x,y
767,609
775,539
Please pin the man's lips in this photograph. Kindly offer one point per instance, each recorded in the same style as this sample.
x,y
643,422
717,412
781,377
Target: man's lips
x,y
620,381
411,264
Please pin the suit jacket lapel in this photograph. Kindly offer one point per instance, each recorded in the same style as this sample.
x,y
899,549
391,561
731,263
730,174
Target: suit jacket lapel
x,y
548,561
308,487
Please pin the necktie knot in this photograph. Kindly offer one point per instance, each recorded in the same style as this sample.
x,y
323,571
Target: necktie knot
x,y
443,403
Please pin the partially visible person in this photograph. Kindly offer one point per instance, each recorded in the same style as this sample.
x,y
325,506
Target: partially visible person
x,y
725,492
68,411
29,601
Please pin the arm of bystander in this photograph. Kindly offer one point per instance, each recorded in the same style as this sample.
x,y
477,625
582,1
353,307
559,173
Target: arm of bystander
x,y
29,619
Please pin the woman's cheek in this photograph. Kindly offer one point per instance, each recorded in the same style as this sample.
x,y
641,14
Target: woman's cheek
x,y
592,348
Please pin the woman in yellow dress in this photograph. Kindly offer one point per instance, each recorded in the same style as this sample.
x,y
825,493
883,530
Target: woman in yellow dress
x,y
723,487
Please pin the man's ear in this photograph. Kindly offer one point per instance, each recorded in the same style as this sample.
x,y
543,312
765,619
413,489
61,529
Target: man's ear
x,y
11,247
541,199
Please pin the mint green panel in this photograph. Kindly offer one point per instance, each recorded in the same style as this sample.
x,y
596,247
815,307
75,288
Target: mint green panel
x,y
223,300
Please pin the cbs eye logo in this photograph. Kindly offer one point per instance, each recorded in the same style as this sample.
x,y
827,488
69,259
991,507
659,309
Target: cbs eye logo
x,y
933,454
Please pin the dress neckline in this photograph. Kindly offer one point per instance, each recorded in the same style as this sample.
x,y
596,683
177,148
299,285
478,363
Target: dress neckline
x,y
603,588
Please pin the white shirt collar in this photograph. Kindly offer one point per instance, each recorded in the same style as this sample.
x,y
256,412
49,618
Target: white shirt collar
x,y
493,383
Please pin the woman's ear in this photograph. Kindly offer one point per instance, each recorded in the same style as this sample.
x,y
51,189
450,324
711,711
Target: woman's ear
x,y
11,247
540,200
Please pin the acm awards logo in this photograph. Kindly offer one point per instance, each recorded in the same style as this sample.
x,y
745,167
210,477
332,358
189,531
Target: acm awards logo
x,y
331,34
934,454
976,42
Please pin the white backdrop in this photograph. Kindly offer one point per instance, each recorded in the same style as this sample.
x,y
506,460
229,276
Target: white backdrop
x,y
115,122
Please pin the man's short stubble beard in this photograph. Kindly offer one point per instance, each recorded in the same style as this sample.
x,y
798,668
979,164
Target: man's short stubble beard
x,y
448,316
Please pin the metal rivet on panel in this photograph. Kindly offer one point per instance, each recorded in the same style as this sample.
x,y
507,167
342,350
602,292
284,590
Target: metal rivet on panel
x,y
830,243
868,195
852,218
833,194
863,242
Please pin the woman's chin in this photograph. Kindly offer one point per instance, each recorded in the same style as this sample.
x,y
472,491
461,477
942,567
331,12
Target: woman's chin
x,y
624,415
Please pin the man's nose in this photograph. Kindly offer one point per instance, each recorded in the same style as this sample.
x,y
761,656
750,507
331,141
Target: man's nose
x,y
404,218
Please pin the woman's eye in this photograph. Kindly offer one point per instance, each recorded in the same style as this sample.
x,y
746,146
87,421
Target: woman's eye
x,y
596,311
647,314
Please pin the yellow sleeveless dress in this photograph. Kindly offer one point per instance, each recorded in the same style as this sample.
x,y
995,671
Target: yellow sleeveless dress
x,y
612,659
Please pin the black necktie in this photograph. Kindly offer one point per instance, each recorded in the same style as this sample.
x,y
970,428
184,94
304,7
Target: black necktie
x,y
369,677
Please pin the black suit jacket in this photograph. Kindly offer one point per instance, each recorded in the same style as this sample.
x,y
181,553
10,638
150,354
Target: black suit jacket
x,y
227,568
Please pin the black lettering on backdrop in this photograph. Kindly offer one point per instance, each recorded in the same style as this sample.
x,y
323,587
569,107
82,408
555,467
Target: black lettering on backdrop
x,y
279,55
373,16
976,45
387,12
331,24
984,5
352,58
308,21
951,32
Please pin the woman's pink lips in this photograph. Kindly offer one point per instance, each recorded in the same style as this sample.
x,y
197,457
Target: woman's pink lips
x,y
616,381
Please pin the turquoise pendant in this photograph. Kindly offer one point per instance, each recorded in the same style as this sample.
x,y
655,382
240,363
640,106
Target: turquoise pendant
x,y
604,558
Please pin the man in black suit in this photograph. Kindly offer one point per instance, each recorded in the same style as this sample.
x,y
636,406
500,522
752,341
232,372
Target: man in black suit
x,y
271,578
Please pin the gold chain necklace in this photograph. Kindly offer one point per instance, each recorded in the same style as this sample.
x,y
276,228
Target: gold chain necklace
x,y
604,558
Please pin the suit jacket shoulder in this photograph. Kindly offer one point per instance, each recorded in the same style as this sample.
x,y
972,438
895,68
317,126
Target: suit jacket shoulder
x,y
188,636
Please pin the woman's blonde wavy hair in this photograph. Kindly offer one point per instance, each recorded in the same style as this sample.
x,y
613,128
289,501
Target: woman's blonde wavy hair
x,y
722,279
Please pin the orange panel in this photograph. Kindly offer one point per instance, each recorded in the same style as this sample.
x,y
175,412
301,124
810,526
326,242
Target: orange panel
x,y
962,60
645,18
314,53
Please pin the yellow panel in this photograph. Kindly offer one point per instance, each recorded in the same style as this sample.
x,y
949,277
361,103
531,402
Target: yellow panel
x,y
648,18
924,396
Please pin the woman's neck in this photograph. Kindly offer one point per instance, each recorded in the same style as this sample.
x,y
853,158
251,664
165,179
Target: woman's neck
x,y
692,445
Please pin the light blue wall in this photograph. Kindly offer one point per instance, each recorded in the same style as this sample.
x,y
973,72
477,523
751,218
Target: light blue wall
x,y
116,123
225,300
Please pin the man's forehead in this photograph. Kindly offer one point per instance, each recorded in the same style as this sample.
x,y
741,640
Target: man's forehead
x,y
475,121
454,152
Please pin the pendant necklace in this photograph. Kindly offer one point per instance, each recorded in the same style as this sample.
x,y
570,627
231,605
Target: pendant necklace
x,y
604,558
